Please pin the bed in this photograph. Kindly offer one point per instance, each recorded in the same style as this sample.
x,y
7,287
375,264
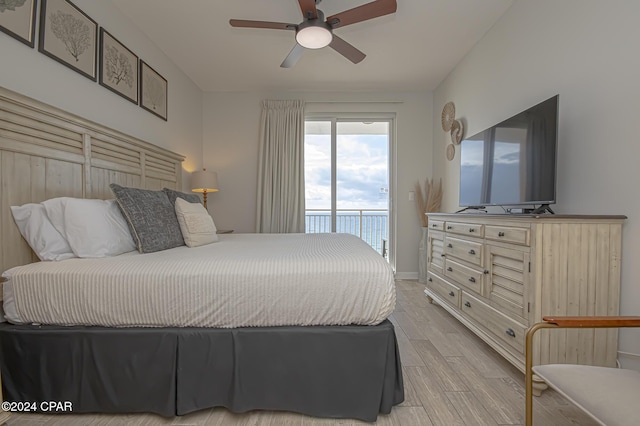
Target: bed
x,y
337,358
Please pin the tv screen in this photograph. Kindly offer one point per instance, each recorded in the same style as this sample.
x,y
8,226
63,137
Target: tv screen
x,y
513,162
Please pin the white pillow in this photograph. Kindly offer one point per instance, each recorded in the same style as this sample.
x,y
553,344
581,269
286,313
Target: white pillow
x,y
43,238
55,212
196,225
93,228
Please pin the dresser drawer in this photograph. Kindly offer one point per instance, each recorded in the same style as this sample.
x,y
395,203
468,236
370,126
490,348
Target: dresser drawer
x,y
502,327
508,234
470,251
471,229
438,225
469,277
447,292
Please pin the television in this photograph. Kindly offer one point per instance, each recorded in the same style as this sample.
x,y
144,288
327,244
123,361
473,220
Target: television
x,y
512,163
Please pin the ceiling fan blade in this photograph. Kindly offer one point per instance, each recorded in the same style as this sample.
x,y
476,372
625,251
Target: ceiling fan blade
x,y
308,9
346,50
293,56
262,24
362,13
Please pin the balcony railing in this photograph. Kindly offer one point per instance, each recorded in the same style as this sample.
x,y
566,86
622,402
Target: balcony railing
x,y
370,225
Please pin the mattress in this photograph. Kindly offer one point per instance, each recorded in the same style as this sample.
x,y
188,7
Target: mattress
x,y
243,280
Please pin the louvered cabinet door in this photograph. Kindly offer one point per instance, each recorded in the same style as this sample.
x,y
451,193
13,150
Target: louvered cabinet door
x,y
507,271
435,251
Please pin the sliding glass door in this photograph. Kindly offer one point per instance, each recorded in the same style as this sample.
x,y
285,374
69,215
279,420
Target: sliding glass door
x,y
347,178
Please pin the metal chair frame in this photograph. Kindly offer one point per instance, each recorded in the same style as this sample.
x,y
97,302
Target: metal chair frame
x,y
565,322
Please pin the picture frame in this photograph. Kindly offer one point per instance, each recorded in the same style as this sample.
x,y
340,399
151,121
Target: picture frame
x,y
118,67
68,36
153,91
18,20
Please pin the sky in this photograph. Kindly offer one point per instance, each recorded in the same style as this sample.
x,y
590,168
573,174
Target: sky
x,y
362,171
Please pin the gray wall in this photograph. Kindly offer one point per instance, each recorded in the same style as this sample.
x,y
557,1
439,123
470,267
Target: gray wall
x,y
231,126
33,74
584,51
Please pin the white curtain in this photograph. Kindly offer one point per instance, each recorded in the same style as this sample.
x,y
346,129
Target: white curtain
x,y
281,168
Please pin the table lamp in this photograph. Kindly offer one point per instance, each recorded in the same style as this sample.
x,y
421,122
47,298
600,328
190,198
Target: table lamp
x,y
204,182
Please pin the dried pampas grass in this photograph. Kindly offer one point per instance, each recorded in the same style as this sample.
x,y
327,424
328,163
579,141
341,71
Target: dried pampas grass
x,y
428,199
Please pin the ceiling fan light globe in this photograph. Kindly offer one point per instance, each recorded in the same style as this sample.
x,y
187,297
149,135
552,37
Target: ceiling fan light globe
x,y
314,37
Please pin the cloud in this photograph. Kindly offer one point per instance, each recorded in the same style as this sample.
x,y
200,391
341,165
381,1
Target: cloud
x,y
362,171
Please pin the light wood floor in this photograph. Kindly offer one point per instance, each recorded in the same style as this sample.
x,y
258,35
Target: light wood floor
x,y
451,378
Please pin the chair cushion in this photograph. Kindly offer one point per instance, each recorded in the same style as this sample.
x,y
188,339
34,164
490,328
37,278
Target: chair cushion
x,y
610,395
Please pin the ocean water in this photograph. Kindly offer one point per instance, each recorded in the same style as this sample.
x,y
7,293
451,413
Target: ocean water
x,y
374,225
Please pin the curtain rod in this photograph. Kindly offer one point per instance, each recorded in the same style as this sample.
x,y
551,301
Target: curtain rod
x,y
354,102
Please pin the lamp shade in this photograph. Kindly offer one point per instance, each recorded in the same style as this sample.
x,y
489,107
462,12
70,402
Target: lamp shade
x,y
204,181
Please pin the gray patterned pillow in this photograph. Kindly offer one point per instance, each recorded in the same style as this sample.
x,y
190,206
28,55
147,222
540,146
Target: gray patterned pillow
x,y
151,218
172,194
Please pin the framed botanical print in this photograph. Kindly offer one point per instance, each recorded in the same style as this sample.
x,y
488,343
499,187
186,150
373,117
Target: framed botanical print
x,y
153,91
118,67
68,35
18,19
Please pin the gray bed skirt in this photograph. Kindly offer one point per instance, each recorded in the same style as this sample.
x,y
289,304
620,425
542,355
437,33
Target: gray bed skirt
x,y
336,372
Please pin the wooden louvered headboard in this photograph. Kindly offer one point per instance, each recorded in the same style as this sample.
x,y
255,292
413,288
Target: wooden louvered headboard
x,y
47,153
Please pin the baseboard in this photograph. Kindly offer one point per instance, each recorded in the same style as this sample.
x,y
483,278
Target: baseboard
x,y
629,360
406,275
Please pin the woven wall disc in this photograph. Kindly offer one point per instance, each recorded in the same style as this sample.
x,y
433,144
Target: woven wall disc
x,y
457,129
448,115
451,151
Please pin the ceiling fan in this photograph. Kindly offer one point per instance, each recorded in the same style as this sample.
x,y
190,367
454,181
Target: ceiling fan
x,y
315,32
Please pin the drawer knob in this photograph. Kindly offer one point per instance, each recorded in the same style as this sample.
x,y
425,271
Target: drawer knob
x,y
472,251
510,332
449,227
450,269
450,245
472,230
442,255
430,279
451,294
467,304
500,234
473,280
433,225
486,271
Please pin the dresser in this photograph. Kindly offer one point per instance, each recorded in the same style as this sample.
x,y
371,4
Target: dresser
x,y
499,274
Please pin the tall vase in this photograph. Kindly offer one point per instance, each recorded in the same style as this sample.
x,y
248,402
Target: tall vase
x,y
422,256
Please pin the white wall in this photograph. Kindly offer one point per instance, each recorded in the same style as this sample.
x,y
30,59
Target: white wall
x,y
231,127
584,51
33,74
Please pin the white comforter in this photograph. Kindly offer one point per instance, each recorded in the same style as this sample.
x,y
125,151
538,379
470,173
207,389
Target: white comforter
x,y
244,280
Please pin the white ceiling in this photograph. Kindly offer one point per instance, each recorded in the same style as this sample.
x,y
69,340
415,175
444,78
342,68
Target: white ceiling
x,y
413,49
